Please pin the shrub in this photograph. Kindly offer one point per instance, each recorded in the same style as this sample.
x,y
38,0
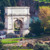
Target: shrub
x,y
47,31
29,45
10,35
39,46
36,29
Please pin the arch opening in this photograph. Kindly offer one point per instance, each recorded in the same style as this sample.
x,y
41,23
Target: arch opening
x,y
18,25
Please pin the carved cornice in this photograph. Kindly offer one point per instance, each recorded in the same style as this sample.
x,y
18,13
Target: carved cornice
x,y
18,15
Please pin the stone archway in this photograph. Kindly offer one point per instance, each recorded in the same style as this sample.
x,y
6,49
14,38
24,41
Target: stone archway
x,y
18,25
21,14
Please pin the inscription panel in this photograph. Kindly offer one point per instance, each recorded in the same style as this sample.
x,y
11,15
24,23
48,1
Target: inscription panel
x,y
17,11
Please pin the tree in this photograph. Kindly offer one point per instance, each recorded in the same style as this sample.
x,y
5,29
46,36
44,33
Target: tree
x,y
6,3
36,28
13,2
44,16
3,3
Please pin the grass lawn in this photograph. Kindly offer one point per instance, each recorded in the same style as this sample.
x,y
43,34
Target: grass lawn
x,y
22,49
44,1
10,40
16,40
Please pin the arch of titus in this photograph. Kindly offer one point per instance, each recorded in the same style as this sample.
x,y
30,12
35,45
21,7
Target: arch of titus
x,y
17,13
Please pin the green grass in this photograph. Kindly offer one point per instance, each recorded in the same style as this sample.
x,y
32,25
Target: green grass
x,y
10,40
44,7
44,1
22,49
25,49
16,40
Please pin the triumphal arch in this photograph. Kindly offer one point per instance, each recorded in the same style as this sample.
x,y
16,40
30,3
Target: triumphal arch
x,y
17,20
